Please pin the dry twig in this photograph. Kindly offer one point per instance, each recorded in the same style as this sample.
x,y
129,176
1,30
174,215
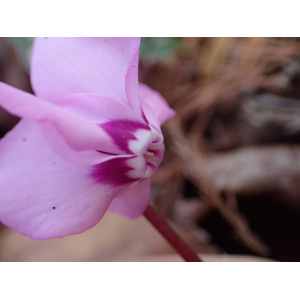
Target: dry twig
x,y
193,169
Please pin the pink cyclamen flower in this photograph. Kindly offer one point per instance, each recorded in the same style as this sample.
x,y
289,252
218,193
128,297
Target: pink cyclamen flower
x,y
89,140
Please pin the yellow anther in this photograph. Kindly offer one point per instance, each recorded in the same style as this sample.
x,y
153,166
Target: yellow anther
x,y
149,153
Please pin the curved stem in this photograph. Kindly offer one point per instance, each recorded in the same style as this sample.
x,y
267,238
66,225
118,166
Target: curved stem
x,y
168,233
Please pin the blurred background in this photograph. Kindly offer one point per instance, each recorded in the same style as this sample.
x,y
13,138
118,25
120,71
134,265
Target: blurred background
x,y
230,180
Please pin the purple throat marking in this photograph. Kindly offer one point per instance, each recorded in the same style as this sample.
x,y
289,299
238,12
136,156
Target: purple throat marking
x,y
122,132
115,171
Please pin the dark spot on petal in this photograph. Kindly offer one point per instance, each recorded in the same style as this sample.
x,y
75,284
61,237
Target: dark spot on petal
x,y
24,139
53,207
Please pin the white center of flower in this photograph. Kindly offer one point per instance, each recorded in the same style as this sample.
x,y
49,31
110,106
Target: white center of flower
x,y
149,148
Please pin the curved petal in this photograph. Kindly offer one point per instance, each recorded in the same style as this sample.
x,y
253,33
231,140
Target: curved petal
x,y
42,196
127,130
132,86
134,201
99,109
151,117
58,124
78,158
64,66
156,103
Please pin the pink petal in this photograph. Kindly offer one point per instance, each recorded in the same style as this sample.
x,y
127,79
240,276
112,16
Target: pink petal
x,y
62,129
99,109
64,66
151,116
156,103
118,120
132,86
134,201
42,196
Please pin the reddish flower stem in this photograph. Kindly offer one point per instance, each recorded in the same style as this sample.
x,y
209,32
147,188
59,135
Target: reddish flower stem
x,y
168,233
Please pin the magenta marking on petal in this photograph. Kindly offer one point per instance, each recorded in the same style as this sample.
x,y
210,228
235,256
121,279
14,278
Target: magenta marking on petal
x,y
158,153
113,172
123,131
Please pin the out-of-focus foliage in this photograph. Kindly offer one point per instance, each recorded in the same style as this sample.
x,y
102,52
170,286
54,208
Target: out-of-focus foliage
x,y
159,49
23,46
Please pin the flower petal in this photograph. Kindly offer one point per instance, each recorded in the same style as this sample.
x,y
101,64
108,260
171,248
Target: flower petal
x,y
118,120
42,196
151,116
60,127
132,86
134,201
99,109
64,66
156,103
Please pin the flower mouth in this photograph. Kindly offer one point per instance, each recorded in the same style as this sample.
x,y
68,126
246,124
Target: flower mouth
x,y
141,151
